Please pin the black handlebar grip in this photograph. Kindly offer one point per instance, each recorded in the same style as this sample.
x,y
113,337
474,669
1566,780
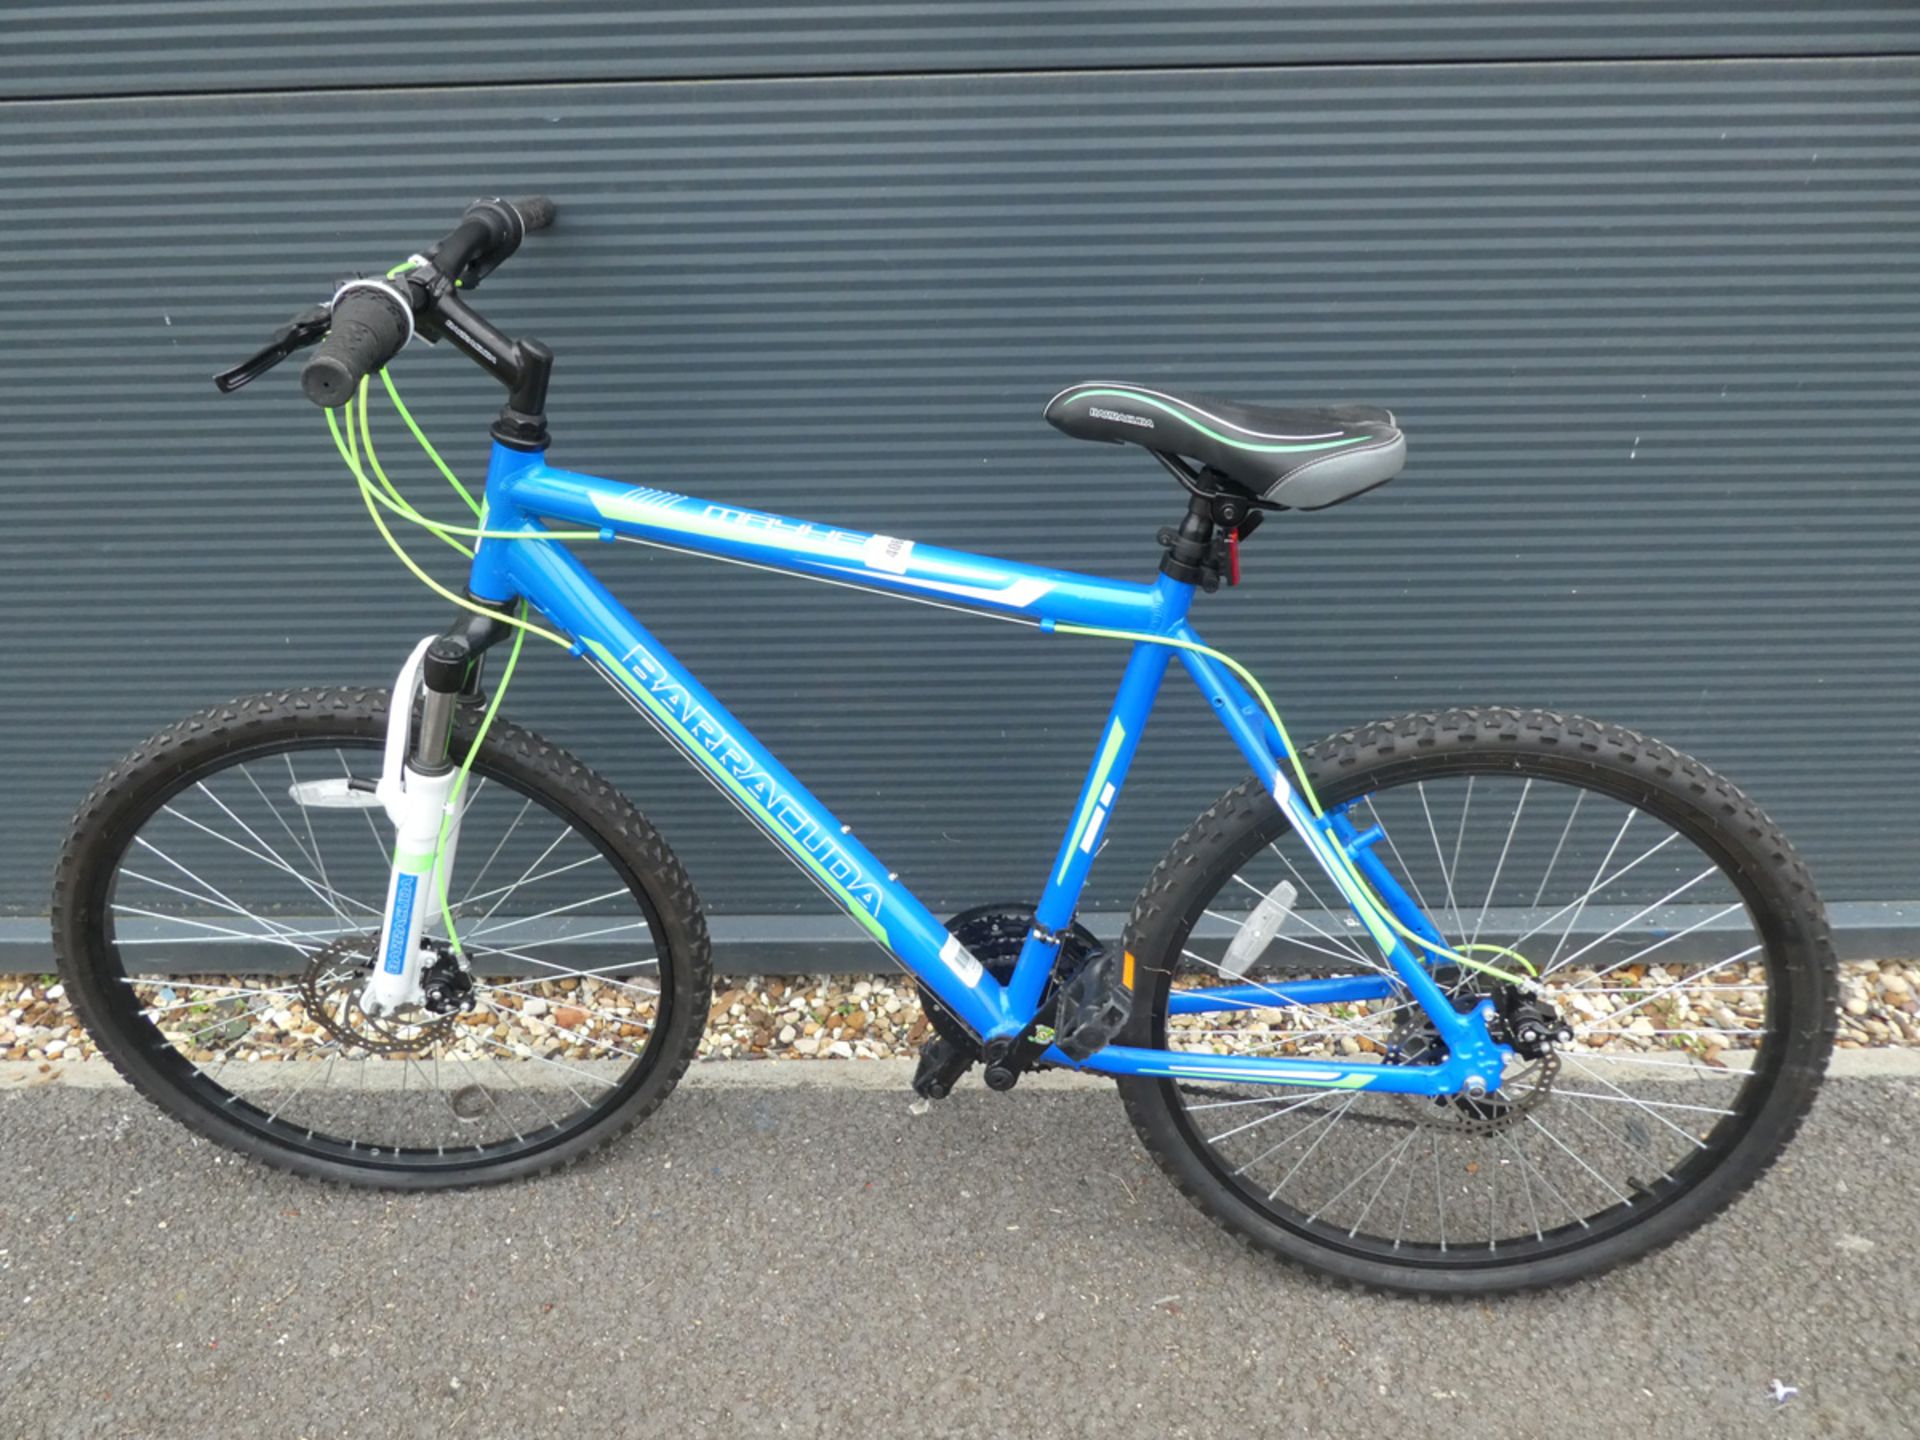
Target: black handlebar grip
x,y
536,211
371,325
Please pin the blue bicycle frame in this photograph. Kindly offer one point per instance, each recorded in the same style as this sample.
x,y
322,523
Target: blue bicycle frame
x,y
523,490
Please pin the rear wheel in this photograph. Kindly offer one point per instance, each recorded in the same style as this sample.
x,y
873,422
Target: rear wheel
x,y
218,903
1674,930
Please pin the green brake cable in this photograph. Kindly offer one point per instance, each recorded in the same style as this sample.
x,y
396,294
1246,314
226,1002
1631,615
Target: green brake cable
x,y
1379,908
460,780
393,500
374,498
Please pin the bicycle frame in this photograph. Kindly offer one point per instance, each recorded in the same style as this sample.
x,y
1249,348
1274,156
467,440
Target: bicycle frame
x,y
522,490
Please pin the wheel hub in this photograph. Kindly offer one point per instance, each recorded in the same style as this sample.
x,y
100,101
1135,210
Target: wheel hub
x,y
1527,1025
331,986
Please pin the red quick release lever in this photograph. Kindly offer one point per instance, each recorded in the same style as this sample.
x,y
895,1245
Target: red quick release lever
x,y
1233,556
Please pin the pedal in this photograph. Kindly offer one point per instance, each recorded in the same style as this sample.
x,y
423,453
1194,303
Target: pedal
x,y
942,1063
1093,1008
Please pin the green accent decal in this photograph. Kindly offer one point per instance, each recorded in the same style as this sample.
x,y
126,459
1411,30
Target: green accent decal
x,y
1100,772
734,788
1215,434
1339,1082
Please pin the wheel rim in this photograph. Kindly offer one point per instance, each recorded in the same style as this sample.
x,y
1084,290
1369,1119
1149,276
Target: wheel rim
x,y
228,893
1651,942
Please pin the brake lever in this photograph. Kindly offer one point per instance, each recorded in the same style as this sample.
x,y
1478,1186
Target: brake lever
x,y
302,330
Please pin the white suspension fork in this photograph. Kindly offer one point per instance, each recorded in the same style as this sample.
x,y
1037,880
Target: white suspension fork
x,y
416,798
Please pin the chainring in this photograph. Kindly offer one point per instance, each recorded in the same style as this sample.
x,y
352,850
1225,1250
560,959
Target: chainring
x,y
994,935
330,990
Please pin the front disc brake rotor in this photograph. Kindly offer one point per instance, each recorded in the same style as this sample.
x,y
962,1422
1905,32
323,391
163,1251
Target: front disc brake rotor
x,y
330,989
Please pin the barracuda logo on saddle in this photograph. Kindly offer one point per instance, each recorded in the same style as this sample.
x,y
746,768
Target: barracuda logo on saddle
x,y
740,775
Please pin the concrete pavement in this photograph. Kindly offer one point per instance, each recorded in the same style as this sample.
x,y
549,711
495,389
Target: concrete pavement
x,y
811,1258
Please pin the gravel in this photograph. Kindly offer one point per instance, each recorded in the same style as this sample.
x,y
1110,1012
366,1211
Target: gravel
x,y
863,1017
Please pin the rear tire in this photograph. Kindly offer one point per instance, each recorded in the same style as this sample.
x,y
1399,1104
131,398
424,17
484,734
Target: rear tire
x,y
1535,748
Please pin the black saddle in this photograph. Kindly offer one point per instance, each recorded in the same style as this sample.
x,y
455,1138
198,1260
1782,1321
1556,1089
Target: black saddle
x,y
1290,459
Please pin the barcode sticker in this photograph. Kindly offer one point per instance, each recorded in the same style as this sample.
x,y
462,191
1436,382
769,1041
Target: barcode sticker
x,y
885,552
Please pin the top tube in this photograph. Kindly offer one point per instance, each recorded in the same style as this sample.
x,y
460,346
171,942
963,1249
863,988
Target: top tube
x,y
521,486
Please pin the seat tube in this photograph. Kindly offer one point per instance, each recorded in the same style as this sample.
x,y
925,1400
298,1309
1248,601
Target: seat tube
x,y
1139,687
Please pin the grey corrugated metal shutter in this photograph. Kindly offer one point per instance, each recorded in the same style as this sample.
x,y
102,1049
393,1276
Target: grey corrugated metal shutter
x,y
1650,326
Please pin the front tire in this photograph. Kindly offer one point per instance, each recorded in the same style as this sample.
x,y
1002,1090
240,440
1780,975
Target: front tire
x,y
214,913
1685,1079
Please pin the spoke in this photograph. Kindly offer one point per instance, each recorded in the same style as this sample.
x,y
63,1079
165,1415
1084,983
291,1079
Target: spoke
x,y
1292,1136
1594,888
1647,950
561,972
538,861
1271,1115
1344,955
257,839
1305,884
581,938
1405,869
1693,1068
1592,1074
492,1102
570,1034
1333,1117
1630,1100
526,882
286,940
1581,900
611,1017
1669,989
1534,1120
306,818
1526,1185
1501,863
268,928
1554,859
1633,919
230,992
310,856
1460,835
263,859
1446,875
507,835
1359,1175
294,1093
525,1054
1346,948
379,845
1398,1154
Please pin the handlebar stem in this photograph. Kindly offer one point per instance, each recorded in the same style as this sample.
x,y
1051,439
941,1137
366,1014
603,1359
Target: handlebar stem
x,y
523,366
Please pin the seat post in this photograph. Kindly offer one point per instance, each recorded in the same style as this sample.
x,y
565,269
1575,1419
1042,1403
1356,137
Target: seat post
x,y
1189,554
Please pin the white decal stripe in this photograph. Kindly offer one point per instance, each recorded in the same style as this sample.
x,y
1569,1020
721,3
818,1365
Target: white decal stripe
x,y
1018,595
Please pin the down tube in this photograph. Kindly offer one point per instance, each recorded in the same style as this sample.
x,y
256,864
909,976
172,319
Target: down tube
x,y
743,770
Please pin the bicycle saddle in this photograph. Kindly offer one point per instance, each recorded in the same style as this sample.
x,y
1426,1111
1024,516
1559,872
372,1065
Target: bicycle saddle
x,y
1290,459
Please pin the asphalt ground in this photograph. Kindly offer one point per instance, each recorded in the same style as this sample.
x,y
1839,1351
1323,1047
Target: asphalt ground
x,y
789,1249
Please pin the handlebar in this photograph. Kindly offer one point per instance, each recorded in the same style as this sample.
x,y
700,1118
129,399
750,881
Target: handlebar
x,y
372,322
369,321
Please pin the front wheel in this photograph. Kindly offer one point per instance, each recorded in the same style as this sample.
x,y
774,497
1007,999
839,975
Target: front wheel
x,y
1674,931
217,907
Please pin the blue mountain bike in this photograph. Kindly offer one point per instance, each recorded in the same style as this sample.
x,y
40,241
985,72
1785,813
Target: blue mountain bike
x,y
1466,1001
